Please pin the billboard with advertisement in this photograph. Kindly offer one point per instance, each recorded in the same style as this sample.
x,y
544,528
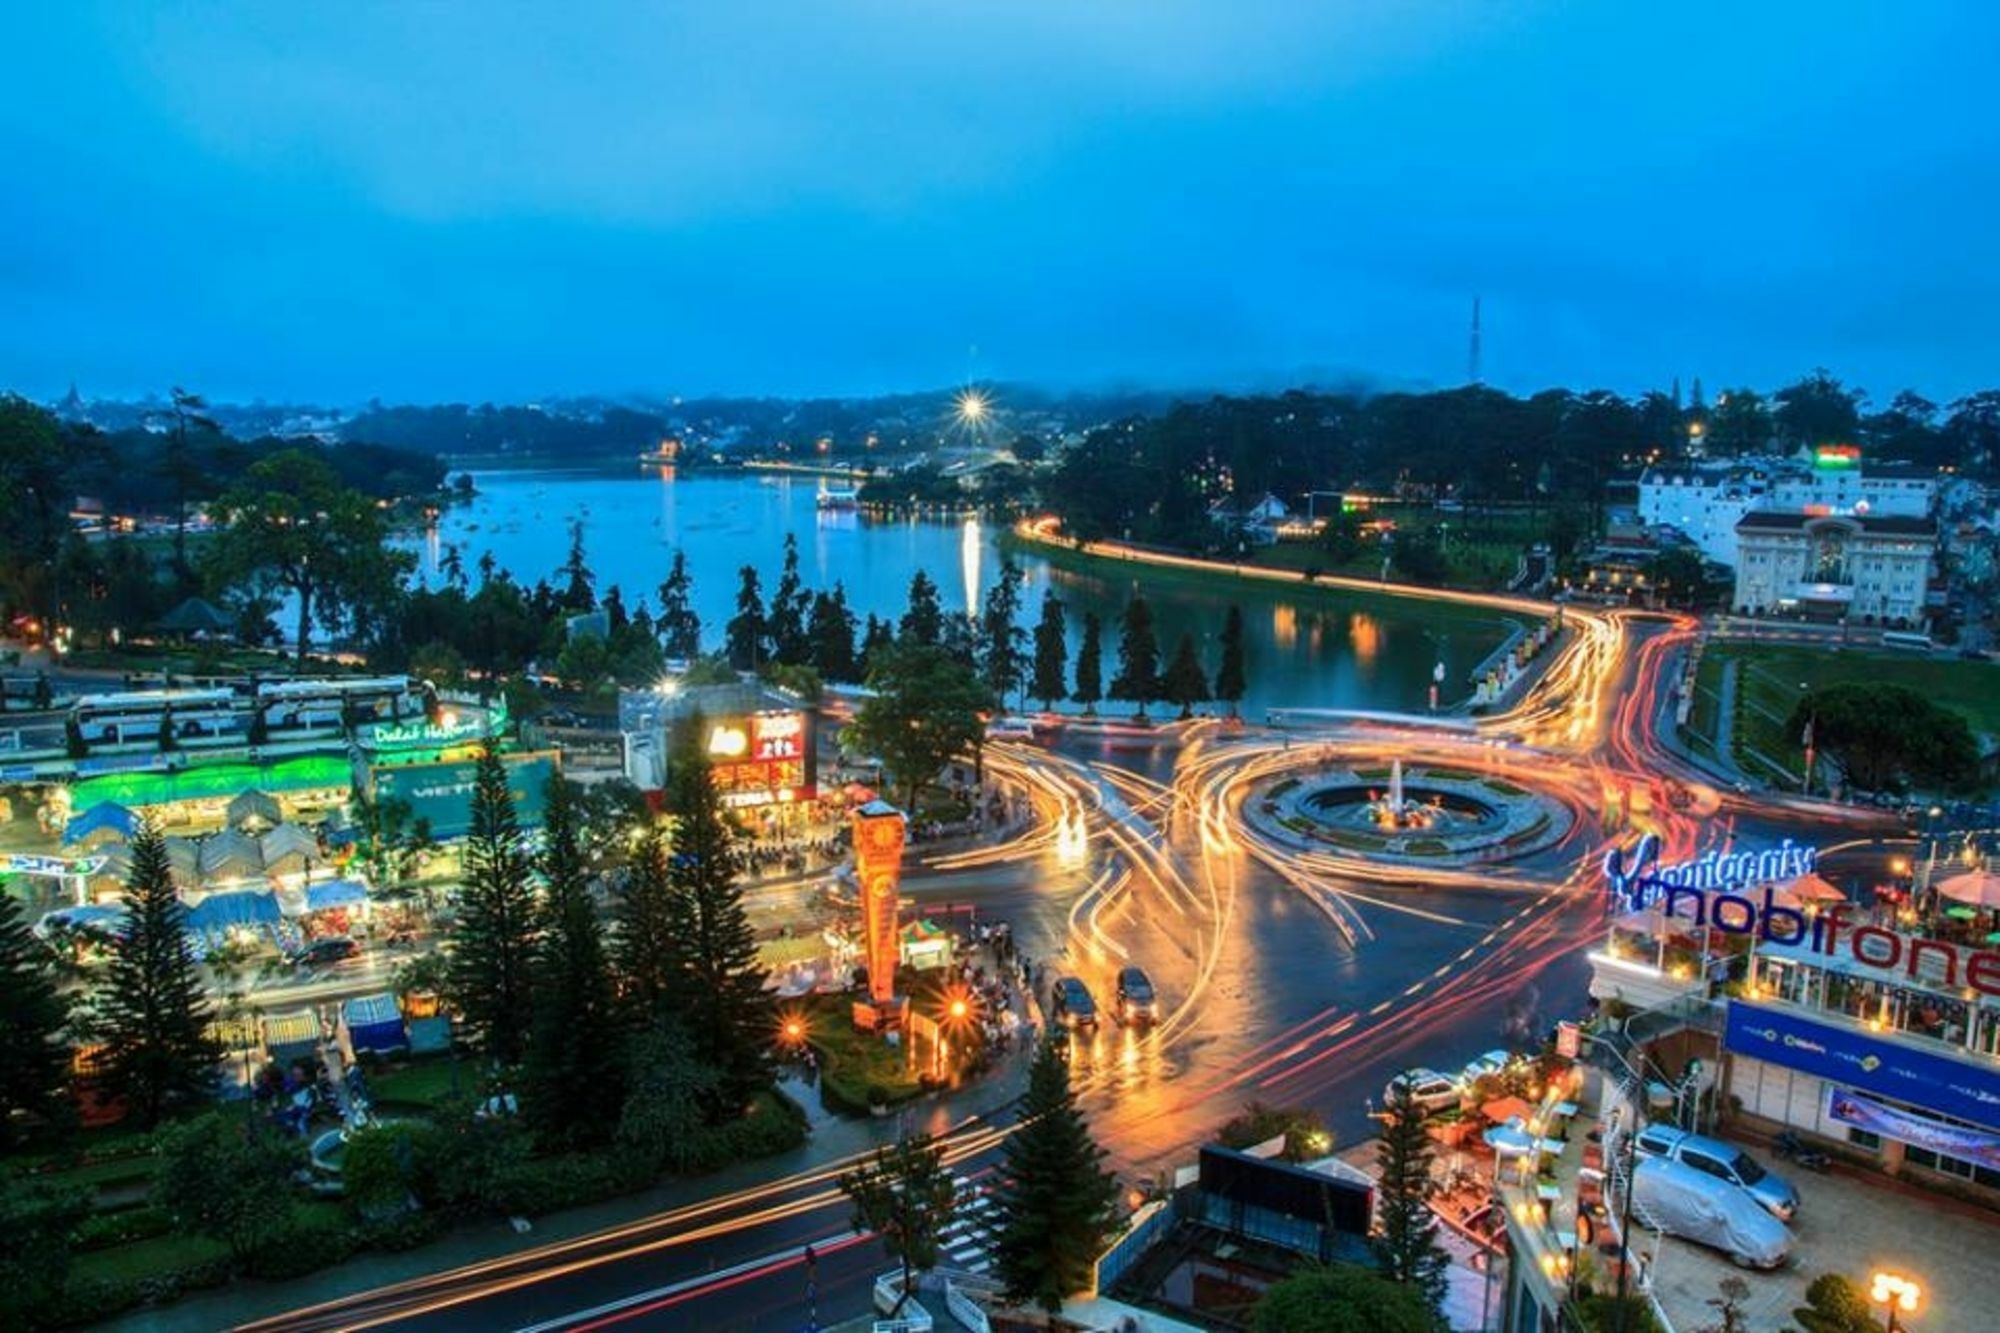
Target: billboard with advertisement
x,y
762,758
1956,1088
442,792
1848,1107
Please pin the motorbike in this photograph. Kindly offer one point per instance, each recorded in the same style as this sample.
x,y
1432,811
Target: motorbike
x,y
1793,1149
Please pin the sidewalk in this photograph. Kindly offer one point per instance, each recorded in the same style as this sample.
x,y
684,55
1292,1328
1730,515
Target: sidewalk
x,y
832,1139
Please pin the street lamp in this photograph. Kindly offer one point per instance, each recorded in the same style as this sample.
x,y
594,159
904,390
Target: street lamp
x,y
1897,1293
1628,1149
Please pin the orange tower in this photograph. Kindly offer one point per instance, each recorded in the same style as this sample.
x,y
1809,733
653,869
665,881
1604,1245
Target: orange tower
x,y
879,832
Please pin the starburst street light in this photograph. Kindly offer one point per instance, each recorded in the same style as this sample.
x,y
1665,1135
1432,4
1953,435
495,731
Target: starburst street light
x,y
973,407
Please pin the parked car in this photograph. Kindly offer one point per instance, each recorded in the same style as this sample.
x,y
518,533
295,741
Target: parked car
x,y
1071,1003
1137,1002
1493,1062
1428,1088
1724,1161
326,952
1683,1201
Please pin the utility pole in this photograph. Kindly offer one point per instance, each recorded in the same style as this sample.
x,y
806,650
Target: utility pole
x,y
1472,356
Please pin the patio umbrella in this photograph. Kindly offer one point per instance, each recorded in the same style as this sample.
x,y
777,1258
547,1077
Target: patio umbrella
x,y
1502,1109
1510,1140
1980,888
1810,888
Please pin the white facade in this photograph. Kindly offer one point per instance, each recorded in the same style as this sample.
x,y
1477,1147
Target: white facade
x,y
1704,505
1891,494
1707,503
1858,567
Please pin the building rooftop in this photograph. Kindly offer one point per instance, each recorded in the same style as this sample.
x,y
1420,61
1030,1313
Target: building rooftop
x,y
1886,525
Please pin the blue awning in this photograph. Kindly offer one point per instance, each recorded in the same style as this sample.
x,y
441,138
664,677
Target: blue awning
x,y
374,1023
90,916
335,893
105,816
249,907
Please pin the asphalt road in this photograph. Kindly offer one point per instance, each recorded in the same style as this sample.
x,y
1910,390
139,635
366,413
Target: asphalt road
x,y
1291,980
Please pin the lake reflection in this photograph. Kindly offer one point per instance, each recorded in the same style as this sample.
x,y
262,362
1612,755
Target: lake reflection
x,y
1305,649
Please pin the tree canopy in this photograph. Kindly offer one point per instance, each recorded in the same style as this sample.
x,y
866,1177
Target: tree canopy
x,y
1886,736
292,525
1342,1298
926,711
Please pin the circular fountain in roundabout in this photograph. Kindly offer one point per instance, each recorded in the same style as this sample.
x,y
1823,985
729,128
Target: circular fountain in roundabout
x,y
1427,814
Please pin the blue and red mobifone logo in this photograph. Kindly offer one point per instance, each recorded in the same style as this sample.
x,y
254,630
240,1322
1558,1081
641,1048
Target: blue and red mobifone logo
x,y
1718,887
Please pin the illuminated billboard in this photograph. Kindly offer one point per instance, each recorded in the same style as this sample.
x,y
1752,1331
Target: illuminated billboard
x,y
761,759
442,792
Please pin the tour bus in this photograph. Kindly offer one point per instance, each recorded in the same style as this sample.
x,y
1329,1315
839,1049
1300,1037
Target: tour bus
x,y
312,704
132,715
1916,643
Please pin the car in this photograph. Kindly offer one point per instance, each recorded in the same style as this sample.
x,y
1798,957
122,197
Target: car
x,y
1137,1002
326,952
1430,1090
1493,1062
1071,1004
1724,1161
1683,1201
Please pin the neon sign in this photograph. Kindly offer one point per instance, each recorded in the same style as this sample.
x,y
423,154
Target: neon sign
x,y
426,733
1708,885
1710,870
53,866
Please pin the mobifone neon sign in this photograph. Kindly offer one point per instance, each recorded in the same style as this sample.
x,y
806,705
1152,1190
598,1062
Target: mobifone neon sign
x,y
1709,885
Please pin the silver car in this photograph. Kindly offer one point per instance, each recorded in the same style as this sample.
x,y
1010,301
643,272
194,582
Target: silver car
x,y
1725,1161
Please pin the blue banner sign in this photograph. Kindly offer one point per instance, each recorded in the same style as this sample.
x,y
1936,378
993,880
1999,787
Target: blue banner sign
x,y
1957,1088
1970,1145
442,792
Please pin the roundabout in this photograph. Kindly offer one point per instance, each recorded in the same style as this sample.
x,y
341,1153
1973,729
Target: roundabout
x,y
1426,814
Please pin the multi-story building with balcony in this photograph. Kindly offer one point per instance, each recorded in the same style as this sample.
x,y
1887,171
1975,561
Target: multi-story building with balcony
x,y
1863,568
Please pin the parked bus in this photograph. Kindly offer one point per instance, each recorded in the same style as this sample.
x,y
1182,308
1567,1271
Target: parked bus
x,y
306,704
1916,643
133,715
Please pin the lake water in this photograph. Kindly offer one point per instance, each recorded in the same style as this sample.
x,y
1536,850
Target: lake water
x,y
1306,649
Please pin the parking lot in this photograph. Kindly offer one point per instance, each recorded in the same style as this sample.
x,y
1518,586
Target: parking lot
x,y
1850,1224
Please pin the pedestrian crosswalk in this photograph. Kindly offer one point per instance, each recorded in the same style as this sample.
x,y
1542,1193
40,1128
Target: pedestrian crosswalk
x,y
965,1243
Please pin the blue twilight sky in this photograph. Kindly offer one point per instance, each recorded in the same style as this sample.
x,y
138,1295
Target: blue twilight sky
x,y
494,200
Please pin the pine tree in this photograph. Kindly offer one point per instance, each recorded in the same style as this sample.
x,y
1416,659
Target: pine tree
x,y
650,947
680,627
747,637
491,974
876,639
789,603
157,1048
580,586
830,627
1138,678
34,1059
906,1196
1001,659
1185,683
574,1056
1090,665
731,1019
1051,662
1056,1200
1405,1244
1231,676
923,622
